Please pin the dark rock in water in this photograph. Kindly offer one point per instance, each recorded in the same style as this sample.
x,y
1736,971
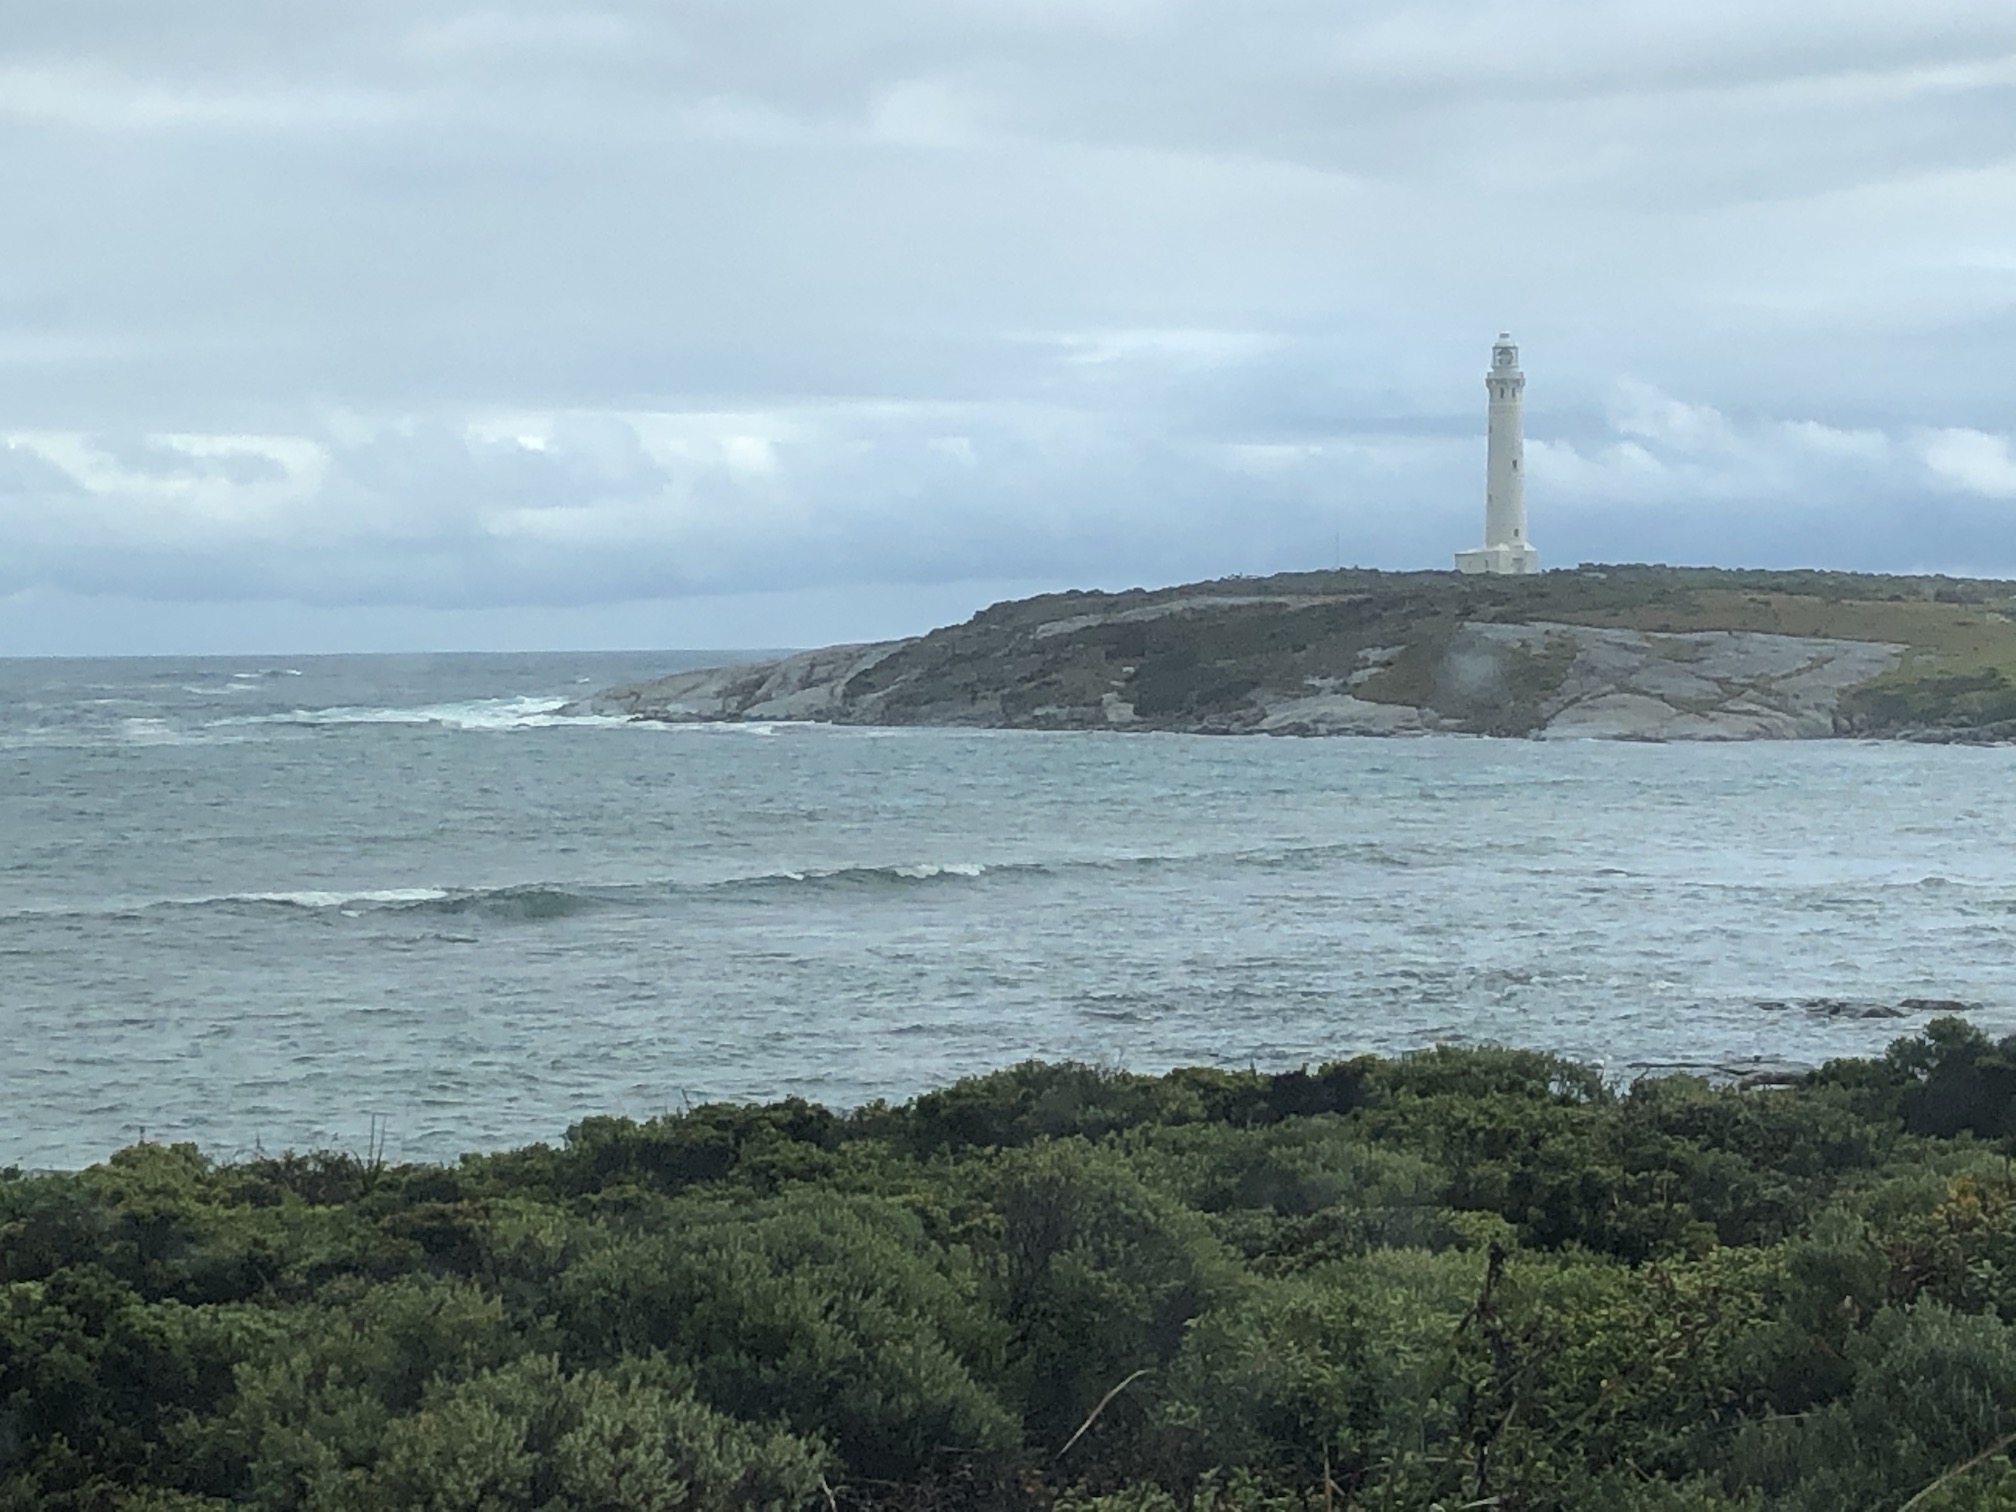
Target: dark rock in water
x,y
1850,1008
1745,1072
1777,1076
1995,732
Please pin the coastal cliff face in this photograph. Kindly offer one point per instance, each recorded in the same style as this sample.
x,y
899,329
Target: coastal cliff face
x,y
1634,654
809,685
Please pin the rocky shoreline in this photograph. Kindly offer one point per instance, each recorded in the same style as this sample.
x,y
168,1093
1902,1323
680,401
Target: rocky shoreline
x,y
1412,656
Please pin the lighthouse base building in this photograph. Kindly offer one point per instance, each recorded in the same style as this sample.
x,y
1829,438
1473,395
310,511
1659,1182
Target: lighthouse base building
x,y
1498,559
1505,548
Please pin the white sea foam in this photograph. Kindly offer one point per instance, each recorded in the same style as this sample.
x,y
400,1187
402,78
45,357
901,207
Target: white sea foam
x,y
306,898
320,898
154,732
825,876
523,713
919,871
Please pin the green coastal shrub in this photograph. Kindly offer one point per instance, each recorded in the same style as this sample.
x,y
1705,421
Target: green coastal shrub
x,y
1471,1278
835,1315
632,1439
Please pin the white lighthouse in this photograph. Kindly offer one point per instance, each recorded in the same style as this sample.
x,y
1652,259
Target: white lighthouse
x,y
1505,547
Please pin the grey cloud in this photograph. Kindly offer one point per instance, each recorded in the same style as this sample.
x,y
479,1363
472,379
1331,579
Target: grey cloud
x,y
26,475
575,509
152,457
1105,290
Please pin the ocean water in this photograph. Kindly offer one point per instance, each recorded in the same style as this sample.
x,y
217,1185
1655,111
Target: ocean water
x,y
263,904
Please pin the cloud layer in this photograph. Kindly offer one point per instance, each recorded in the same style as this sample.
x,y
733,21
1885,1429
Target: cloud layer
x,y
430,307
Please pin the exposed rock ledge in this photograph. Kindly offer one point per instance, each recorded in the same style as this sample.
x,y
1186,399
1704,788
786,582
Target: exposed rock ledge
x,y
810,685
1703,685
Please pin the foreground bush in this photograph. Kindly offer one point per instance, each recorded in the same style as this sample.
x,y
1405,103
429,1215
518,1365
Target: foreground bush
x,y
1476,1278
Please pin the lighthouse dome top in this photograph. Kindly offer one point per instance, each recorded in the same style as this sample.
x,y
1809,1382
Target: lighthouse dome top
x,y
1505,353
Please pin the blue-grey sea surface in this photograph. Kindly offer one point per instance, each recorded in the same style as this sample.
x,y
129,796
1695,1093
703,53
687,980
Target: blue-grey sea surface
x,y
261,904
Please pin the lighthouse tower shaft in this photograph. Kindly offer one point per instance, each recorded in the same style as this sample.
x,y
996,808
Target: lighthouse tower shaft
x,y
1506,548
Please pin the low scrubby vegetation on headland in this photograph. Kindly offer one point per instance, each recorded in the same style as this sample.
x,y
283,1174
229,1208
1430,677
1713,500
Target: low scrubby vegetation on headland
x,y
1474,1278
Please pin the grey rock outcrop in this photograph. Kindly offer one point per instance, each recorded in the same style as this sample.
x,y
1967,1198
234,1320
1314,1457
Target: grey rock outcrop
x,y
812,685
1343,714
1703,685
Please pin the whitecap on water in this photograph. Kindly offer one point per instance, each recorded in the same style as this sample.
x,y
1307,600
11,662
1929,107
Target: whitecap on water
x,y
154,732
521,713
318,898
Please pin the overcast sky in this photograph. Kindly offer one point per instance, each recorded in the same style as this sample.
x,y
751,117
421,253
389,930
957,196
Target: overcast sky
x,y
382,324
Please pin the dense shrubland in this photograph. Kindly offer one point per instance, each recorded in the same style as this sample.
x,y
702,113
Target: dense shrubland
x,y
1464,1278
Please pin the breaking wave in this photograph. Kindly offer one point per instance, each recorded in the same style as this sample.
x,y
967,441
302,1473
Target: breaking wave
x,y
522,713
532,902
522,901
316,898
535,900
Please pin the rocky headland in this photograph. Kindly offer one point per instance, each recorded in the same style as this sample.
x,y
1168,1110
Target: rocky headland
x,y
1629,653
